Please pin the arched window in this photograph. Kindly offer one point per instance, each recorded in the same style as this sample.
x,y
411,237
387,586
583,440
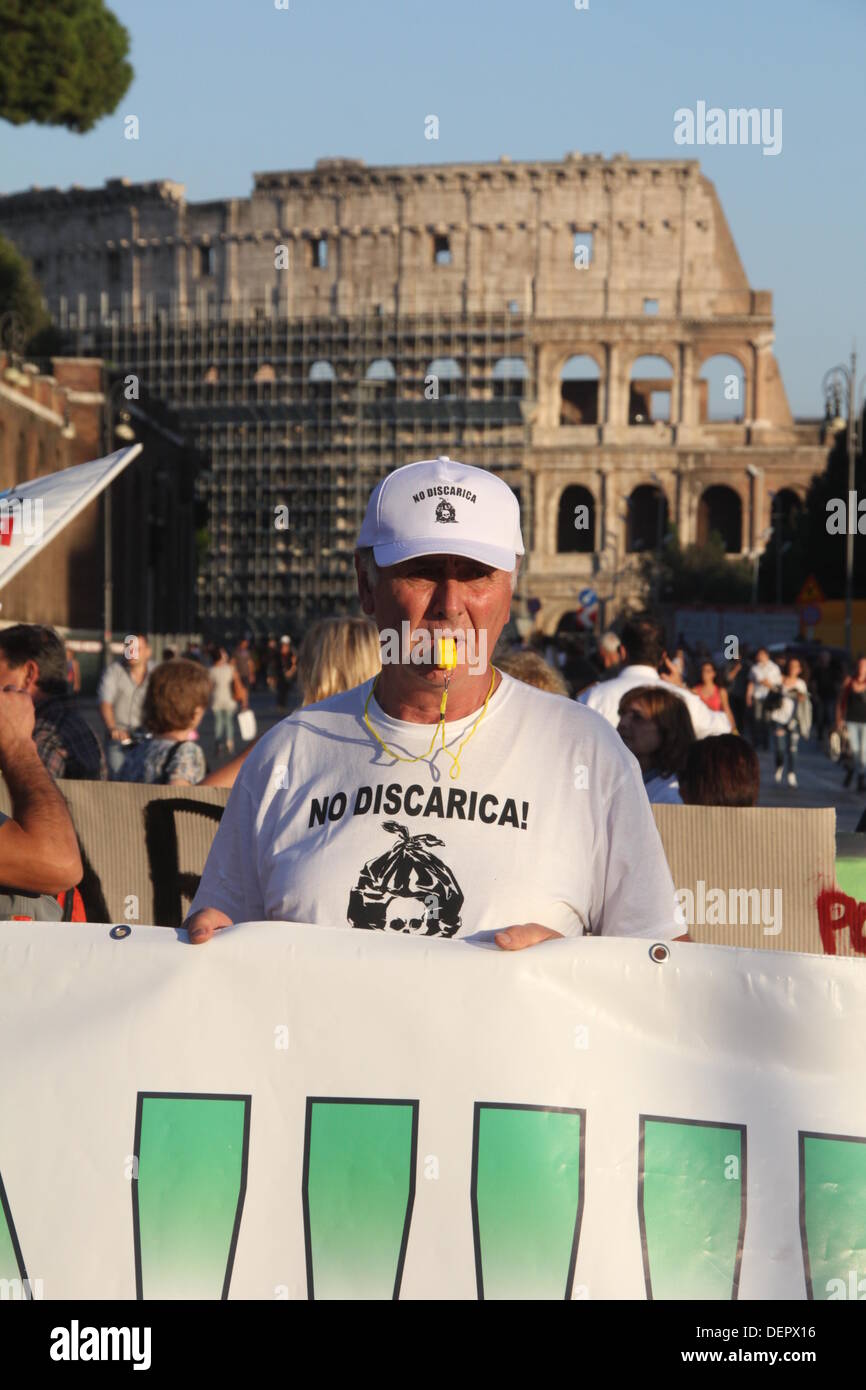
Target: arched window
x,y
721,390
575,530
579,381
381,369
441,378
322,379
265,373
647,519
509,377
720,511
650,385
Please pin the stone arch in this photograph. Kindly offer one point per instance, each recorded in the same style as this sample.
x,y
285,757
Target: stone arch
x,y
647,518
322,379
447,373
381,369
722,386
510,375
265,373
575,526
650,390
720,510
579,386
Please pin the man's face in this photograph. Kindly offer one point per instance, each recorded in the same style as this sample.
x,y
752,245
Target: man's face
x,y
763,655
442,594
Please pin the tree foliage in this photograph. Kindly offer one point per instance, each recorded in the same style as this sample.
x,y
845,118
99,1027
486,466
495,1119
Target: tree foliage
x,y
20,292
698,573
62,62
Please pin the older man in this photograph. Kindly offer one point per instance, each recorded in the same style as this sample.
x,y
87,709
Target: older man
x,y
440,799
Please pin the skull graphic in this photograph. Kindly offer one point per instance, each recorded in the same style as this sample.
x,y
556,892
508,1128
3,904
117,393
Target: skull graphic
x,y
407,915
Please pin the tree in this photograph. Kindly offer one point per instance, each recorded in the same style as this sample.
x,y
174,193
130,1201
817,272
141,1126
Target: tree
x,y
20,292
697,573
62,62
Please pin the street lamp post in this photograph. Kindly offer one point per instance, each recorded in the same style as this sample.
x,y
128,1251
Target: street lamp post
x,y
116,423
838,381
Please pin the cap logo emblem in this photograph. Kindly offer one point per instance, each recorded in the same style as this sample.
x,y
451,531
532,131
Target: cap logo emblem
x,y
445,511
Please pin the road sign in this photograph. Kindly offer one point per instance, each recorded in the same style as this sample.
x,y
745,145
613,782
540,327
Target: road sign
x,y
811,592
811,615
533,604
587,598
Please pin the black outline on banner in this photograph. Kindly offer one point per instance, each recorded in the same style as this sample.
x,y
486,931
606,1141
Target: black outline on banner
x,y
141,1096
473,1182
16,1244
803,1134
305,1180
704,1124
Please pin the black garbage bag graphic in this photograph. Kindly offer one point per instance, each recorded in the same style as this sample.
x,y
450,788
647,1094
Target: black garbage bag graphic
x,y
407,889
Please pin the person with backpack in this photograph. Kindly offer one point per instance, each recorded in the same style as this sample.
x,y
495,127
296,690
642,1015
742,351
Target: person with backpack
x,y
178,694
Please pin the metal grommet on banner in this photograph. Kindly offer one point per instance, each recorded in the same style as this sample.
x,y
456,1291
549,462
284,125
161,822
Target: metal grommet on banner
x,y
120,933
659,952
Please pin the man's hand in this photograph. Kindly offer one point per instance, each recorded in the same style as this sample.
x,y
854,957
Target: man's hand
x,y
118,734
17,716
527,934
671,673
202,924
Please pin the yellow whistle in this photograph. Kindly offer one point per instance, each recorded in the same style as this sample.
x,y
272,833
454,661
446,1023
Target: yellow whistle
x,y
447,653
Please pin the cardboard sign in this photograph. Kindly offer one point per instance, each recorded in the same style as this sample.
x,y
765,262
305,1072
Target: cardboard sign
x,y
295,1112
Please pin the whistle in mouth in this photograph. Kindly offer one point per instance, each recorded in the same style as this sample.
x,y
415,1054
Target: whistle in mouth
x,y
447,653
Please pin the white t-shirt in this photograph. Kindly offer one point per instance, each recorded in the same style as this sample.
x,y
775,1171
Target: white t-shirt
x,y
764,671
548,822
606,695
788,708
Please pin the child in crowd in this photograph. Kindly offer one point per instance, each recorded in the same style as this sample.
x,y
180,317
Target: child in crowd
x,y
177,696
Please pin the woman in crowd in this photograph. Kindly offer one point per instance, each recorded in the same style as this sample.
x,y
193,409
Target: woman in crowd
x,y
655,725
721,771
851,714
337,654
177,696
227,692
531,668
789,712
714,696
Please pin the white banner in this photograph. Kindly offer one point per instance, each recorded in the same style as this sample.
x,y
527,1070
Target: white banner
x,y
291,1112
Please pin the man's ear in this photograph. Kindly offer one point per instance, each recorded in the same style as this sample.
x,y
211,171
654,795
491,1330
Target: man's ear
x,y
31,676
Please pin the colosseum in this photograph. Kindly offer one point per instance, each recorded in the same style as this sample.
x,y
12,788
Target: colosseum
x,y
583,327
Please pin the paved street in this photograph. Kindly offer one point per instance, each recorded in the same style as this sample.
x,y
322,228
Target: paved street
x,y
820,784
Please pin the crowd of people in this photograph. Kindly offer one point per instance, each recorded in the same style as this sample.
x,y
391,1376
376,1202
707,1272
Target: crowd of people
x,y
689,724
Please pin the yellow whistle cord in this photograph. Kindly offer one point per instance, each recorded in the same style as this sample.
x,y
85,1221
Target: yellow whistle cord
x,y
454,770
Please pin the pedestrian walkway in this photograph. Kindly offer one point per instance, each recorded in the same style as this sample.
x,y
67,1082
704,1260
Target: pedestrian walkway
x,y
819,784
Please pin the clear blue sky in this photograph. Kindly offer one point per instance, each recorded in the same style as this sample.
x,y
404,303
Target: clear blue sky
x,y
225,87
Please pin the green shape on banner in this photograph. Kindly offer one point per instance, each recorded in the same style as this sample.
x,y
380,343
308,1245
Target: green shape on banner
x,y
11,1263
691,1207
189,1194
833,1214
851,877
358,1193
527,1199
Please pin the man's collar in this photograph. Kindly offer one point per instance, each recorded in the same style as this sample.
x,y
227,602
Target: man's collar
x,y
639,666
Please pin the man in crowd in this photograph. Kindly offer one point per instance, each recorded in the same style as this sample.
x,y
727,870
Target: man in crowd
x,y
33,659
611,655
764,676
38,847
121,697
647,663
440,799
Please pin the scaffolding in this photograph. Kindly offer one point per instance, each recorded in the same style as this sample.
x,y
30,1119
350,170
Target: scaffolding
x,y
289,415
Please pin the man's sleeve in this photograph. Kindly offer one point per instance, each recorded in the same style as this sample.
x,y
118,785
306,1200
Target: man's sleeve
x,y
706,721
636,885
230,881
105,692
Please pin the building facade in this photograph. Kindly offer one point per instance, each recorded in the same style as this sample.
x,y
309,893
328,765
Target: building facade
x,y
583,327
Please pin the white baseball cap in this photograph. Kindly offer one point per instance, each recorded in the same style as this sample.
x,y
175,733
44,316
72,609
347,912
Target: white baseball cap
x,y
441,507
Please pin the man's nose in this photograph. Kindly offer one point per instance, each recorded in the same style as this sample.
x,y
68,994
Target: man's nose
x,y
448,598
